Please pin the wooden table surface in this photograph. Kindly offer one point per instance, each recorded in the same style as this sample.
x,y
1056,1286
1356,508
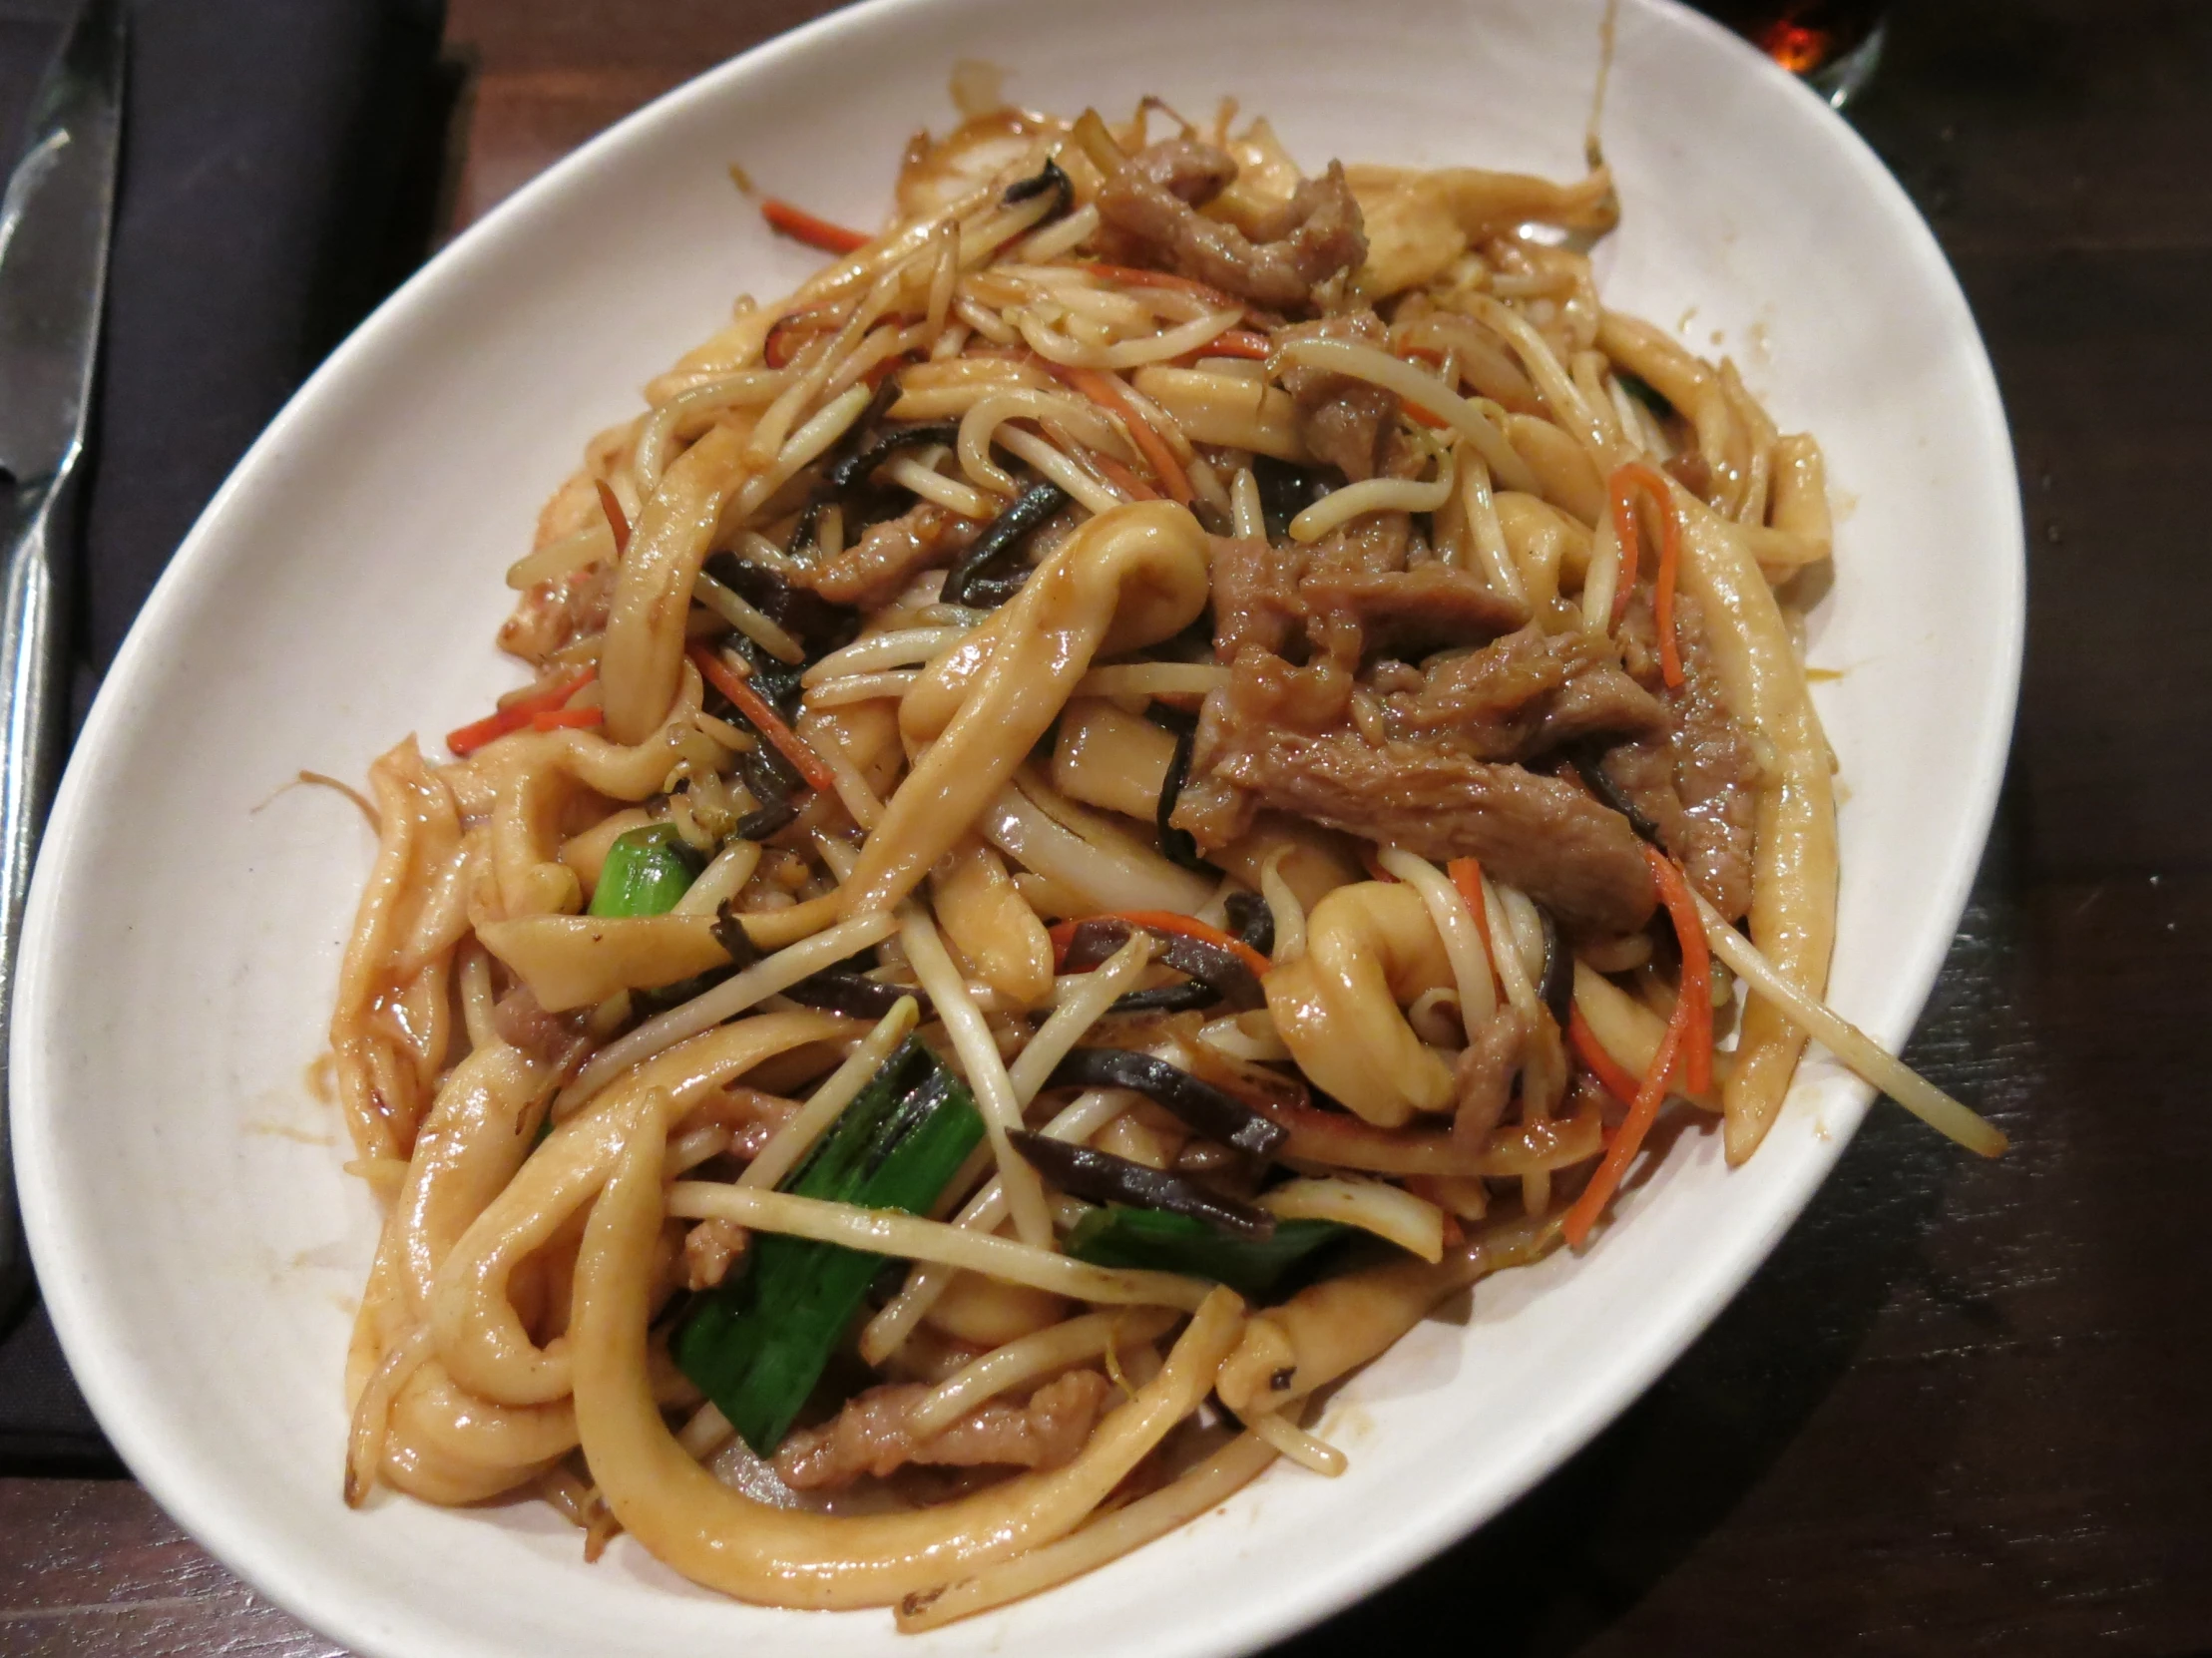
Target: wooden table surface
x,y
1964,1408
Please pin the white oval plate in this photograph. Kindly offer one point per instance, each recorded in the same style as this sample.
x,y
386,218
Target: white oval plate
x,y
200,1249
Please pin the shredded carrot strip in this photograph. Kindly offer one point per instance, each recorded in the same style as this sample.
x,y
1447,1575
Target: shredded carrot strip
x,y
1129,276
1643,1111
1121,477
754,707
465,740
1371,861
1618,1079
1236,342
1689,1040
1696,987
1627,480
516,712
802,226
1107,392
1434,359
1467,875
555,719
615,519
1161,921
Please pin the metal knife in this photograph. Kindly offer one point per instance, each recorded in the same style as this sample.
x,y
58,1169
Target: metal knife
x,y
54,225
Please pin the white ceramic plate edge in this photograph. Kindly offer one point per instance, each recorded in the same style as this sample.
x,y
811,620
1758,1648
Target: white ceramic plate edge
x,y
230,1535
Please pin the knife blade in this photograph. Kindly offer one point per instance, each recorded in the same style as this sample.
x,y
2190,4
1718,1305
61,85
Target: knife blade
x,y
55,222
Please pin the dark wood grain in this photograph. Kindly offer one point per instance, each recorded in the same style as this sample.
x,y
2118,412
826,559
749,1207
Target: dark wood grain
x,y
91,1568
1964,1409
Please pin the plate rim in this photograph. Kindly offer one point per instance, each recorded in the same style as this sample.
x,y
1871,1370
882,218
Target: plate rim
x,y
229,1533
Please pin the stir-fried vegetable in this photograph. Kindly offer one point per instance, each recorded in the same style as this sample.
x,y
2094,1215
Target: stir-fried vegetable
x,y
646,872
1179,844
1248,344
1142,278
974,581
1619,1081
766,719
770,779
756,1345
802,226
1695,994
518,712
1588,762
1154,1239
838,471
814,621
1203,1106
840,989
1083,1171
1110,394
1688,1042
1164,924
1048,177
566,719
856,994
1255,922
1628,481
1215,974
855,467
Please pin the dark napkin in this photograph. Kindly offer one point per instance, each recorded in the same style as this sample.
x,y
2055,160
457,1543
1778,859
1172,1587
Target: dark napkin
x,y
279,168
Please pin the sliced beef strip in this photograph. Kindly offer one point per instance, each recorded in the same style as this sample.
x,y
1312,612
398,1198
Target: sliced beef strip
x,y
1313,699
888,555
1696,780
1522,694
1344,421
1213,811
1369,586
1255,596
523,1024
1317,234
1483,1080
710,1249
1541,834
1409,611
870,1435
1372,544
1190,172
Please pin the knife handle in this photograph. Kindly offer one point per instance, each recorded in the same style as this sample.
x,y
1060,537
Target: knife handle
x,y
34,691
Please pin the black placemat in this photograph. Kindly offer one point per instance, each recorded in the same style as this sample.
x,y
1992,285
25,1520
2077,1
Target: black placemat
x,y
279,165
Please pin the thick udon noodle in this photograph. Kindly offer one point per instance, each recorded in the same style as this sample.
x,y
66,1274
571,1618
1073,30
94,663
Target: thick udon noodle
x,y
563,1144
